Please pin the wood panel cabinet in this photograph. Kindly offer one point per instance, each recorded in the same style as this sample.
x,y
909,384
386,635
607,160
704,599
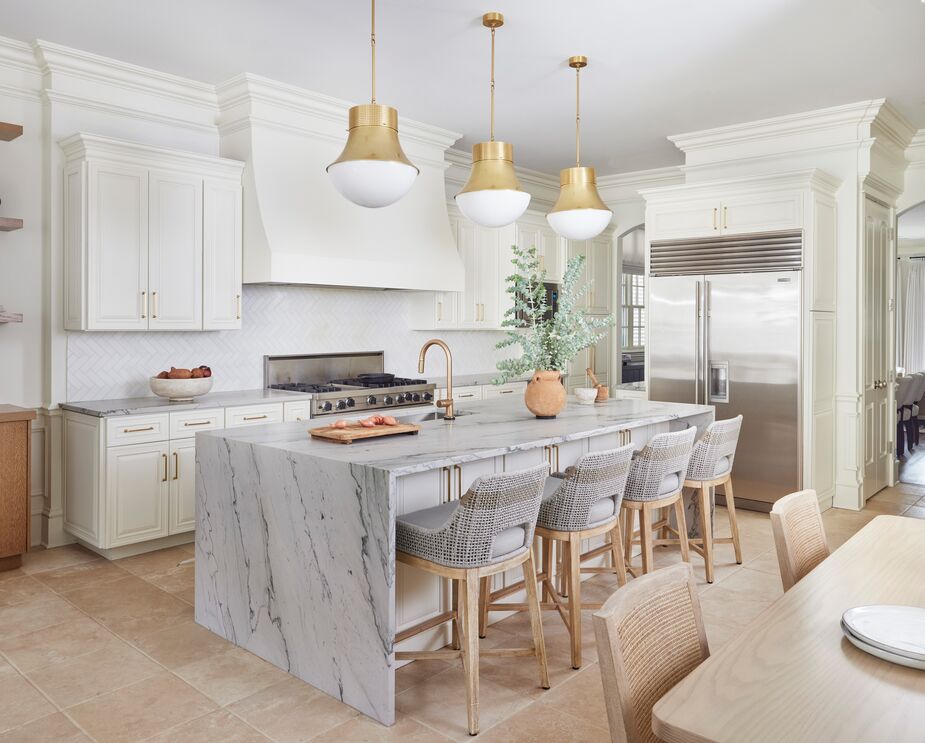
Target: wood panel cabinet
x,y
152,238
15,491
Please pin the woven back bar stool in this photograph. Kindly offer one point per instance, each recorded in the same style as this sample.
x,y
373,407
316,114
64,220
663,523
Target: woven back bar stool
x,y
711,467
581,503
656,481
487,531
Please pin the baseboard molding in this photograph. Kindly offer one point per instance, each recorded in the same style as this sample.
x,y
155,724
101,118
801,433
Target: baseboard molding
x,y
130,550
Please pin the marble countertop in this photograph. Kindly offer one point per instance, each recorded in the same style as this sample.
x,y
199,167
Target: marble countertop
x,y
486,429
134,405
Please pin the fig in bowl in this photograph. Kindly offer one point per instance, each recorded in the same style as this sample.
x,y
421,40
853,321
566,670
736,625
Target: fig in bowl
x,y
182,384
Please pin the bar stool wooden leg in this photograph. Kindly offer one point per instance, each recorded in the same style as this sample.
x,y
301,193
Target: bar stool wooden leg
x,y
547,568
574,599
616,549
454,589
536,620
484,593
706,531
733,521
469,598
682,529
628,534
645,537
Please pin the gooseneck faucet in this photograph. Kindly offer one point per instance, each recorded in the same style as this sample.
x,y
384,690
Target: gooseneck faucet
x,y
447,402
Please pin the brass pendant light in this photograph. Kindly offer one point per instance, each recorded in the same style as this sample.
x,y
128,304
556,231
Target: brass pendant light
x,y
373,171
579,213
492,197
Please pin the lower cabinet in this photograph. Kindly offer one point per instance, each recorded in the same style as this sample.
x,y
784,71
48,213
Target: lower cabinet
x,y
182,510
136,492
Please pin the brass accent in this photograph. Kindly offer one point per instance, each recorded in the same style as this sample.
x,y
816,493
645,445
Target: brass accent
x,y
439,311
137,430
144,305
164,478
237,299
154,302
447,402
493,20
578,185
725,215
715,210
197,423
176,466
458,470
506,392
449,484
254,417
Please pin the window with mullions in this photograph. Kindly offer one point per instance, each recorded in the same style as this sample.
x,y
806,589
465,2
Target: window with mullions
x,y
633,311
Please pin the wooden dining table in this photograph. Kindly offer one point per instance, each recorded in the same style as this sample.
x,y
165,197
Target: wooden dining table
x,y
790,675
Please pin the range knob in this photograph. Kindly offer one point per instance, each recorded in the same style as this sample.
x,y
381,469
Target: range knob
x,y
416,397
341,404
371,400
388,400
326,406
351,402
428,397
402,397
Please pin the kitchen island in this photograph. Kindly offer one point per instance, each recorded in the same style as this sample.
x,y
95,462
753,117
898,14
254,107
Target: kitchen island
x,y
295,537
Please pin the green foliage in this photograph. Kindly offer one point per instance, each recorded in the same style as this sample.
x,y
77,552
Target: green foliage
x,y
547,343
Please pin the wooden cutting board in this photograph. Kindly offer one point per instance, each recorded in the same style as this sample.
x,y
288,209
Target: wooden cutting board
x,y
356,432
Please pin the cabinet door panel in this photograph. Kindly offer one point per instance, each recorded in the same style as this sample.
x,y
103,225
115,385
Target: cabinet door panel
x,y
175,252
137,489
117,242
600,294
553,254
182,466
467,311
762,213
679,220
222,257
490,285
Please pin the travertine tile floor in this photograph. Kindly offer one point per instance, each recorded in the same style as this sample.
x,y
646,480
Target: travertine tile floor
x,y
93,650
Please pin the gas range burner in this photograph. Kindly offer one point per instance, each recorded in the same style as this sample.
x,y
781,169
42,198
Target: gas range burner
x,y
378,384
302,387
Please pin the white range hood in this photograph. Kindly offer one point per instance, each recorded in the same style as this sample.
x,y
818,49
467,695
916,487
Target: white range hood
x,y
298,229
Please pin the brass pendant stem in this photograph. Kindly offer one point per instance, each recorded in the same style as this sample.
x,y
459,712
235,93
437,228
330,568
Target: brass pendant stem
x,y
492,125
577,117
372,44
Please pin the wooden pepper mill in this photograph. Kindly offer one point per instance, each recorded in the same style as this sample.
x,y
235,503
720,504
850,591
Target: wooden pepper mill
x,y
603,394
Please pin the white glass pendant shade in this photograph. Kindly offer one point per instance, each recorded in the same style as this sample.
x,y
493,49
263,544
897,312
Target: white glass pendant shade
x,y
579,213
492,197
373,170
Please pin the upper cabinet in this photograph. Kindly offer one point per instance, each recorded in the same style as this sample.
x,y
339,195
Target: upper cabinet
x,y
598,254
152,238
533,229
730,215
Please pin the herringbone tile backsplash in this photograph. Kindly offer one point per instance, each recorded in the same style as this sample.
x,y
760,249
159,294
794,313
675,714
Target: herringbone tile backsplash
x,y
277,320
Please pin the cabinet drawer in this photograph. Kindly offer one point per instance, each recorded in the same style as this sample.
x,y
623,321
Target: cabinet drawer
x,y
510,389
137,429
185,424
473,392
297,411
253,415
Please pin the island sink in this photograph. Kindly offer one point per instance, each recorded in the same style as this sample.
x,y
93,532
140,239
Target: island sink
x,y
295,537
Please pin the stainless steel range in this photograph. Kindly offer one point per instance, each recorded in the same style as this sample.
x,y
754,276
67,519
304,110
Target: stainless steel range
x,y
346,383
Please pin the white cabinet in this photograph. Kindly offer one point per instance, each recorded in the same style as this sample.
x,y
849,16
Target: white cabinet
x,y
724,215
182,501
597,272
598,358
533,230
253,415
486,257
297,411
175,251
508,389
222,256
469,393
152,238
136,492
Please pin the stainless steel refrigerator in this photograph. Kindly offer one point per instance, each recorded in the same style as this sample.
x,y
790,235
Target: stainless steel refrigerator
x,y
724,329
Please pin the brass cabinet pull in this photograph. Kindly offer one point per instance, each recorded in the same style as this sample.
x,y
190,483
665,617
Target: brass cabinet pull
x,y
468,394
144,305
254,417
237,302
154,301
725,220
137,430
715,210
458,480
447,497
439,311
164,478
556,447
505,392
176,466
197,423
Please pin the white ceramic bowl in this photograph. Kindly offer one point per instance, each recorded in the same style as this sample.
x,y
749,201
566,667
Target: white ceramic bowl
x,y
181,389
586,395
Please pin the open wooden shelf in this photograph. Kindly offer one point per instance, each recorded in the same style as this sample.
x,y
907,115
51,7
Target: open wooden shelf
x,y
6,317
9,132
9,224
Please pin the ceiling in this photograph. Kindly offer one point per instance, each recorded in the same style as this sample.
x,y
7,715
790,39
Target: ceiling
x,y
657,67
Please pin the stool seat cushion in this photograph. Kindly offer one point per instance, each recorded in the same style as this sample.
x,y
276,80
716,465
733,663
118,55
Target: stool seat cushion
x,y
506,544
670,483
601,510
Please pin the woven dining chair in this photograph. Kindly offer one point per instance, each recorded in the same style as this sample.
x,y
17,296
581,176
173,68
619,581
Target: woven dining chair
x,y
656,482
581,503
799,535
650,635
487,531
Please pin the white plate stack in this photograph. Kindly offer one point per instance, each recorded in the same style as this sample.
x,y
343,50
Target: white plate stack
x,y
889,632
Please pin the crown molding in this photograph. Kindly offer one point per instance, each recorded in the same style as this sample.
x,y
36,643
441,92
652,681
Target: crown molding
x,y
915,152
625,187
58,59
814,178
17,55
238,98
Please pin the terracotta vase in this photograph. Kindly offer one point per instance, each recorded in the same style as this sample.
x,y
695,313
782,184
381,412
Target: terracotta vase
x,y
545,395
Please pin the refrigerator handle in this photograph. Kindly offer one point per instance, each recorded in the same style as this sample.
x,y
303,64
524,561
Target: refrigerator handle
x,y
705,359
697,342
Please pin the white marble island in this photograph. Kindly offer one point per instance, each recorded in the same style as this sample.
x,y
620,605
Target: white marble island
x,y
295,538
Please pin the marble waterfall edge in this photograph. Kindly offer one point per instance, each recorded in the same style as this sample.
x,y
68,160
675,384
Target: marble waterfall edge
x,y
293,563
